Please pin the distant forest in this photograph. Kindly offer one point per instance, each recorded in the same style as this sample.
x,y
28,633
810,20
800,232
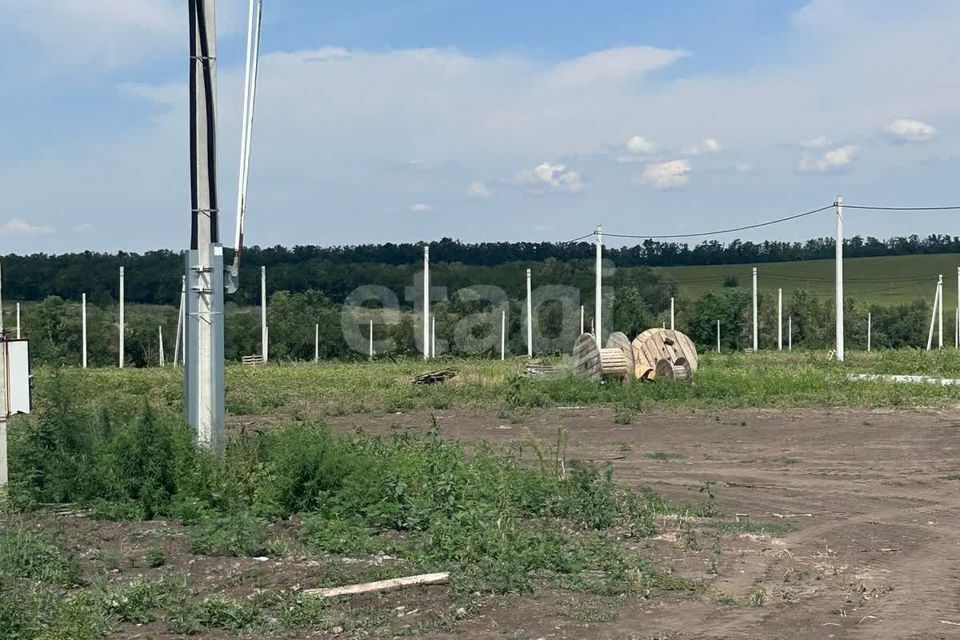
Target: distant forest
x,y
154,277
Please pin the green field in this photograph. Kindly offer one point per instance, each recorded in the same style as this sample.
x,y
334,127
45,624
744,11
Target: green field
x,y
885,281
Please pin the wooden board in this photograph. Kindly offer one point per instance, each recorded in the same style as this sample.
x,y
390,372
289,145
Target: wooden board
x,y
586,357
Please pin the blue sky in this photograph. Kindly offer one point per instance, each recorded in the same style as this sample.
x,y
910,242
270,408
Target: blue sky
x,y
482,120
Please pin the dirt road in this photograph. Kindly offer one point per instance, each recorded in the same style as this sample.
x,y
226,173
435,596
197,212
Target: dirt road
x,y
871,500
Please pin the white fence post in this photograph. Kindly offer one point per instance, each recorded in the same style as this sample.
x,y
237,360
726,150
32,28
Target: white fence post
x,y
790,333
18,321
939,311
264,331
839,278
83,330
162,359
869,330
598,299
718,336
933,318
756,341
672,313
779,319
371,340
581,319
529,316
122,319
316,342
503,333
426,302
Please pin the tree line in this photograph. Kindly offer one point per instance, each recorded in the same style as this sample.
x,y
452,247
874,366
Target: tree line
x,y
53,326
154,277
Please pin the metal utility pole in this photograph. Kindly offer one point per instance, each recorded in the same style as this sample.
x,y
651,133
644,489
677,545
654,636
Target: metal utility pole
x,y
598,300
1,303
756,336
203,358
122,319
433,336
839,278
264,336
83,330
956,322
529,317
426,302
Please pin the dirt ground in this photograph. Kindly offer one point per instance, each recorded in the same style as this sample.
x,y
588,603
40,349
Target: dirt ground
x,y
871,499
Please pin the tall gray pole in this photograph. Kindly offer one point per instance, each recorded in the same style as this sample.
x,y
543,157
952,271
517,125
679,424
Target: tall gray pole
x,y
756,340
264,337
529,316
939,312
203,363
839,278
426,302
123,322
503,335
178,347
598,294
18,321
779,319
83,329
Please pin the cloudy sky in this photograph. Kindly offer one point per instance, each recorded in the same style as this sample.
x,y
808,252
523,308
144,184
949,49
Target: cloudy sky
x,y
402,120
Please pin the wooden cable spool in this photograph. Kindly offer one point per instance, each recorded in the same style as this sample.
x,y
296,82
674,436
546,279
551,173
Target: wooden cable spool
x,y
656,345
619,340
586,357
613,363
595,363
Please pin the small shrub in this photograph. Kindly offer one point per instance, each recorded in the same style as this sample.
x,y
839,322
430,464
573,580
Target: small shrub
x,y
233,535
35,556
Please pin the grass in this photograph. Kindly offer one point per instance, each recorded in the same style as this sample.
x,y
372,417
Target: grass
x,y
665,456
727,381
497,525
887,280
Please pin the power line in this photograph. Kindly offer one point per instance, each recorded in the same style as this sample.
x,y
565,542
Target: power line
x,y
578,239
870,208
721,231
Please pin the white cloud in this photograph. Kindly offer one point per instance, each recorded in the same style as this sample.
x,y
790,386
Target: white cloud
x,y
86,227
667,175
20,227
905,130
830,160
743,167
478,190
705,146
421,207
550,177
639,146
820,142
